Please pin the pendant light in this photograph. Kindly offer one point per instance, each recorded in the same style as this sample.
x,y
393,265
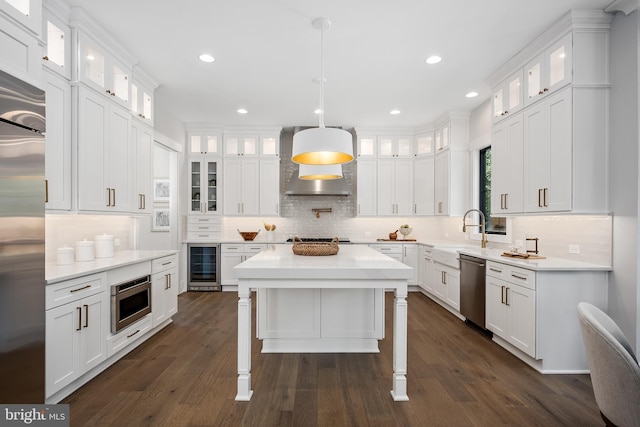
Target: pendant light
x,y
322,146
321,172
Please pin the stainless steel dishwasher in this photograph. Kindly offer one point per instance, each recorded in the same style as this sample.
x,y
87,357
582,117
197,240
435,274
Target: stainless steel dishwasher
x,y
472,289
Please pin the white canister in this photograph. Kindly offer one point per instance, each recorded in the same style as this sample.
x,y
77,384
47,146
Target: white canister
x,y
85,251
104,246
64,256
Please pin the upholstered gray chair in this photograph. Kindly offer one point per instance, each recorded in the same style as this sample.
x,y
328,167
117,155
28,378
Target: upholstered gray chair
x,y
615,373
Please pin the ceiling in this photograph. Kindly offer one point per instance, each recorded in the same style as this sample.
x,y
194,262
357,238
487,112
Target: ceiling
x,y
267,55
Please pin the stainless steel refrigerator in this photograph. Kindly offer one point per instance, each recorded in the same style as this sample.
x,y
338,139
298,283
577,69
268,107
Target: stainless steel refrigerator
x,y
22,261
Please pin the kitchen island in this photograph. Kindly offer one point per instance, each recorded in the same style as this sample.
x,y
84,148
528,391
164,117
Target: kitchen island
x,y
321,292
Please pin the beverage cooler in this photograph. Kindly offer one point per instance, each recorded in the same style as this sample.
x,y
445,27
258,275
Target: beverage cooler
x,y
204,267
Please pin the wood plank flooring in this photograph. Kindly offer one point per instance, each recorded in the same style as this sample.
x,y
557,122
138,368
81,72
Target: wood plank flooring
x,y
186,376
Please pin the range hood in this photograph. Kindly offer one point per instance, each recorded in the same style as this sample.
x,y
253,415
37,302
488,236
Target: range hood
x,y
309,187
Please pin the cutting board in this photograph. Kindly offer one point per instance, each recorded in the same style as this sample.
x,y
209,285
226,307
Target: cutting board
x,y
395,240
523,256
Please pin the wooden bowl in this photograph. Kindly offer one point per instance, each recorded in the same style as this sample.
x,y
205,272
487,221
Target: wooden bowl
x,y
248,235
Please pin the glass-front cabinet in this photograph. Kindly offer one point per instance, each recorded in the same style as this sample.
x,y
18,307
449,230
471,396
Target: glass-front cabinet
x,y
424,144
204,143
203,189
507,97
395,146
57,49
26,12
550,70
142,91
367,146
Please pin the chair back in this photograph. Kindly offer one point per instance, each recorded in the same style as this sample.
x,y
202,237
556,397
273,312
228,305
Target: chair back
x,y
615,373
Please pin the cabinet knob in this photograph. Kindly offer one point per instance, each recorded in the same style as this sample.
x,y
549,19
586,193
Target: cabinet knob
x,y
546,89
46,58
108,91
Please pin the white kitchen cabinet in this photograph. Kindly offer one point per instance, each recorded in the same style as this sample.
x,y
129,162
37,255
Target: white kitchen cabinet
x,y
404,253
451,185
548,154
395,187
104,161
58,143
28,13
269,183
21,51
241,186
427,269
367,185
57,48
254,143
441,138
77,324
367,146
507,98
424,186
205,143
507,162
164,282
204,228
549,71
142,96
511,305
103,71
204,182
232,254
395,146
141,148
424,144
446,285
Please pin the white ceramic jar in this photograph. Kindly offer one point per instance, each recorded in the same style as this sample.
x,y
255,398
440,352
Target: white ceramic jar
x,y
104,246
64,256
85,251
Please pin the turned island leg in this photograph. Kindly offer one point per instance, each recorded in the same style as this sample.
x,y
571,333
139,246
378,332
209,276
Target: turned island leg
x,y
244,342
399,392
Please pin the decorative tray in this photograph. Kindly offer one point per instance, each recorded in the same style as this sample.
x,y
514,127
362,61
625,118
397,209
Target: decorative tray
x,y
315,248
523,256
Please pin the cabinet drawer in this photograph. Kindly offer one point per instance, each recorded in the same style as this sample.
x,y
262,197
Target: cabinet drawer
x,y
129,335
254,248
511,274
426,252
387,249
208,220
229,247
130,272
203,228
203,236
74,289
164,263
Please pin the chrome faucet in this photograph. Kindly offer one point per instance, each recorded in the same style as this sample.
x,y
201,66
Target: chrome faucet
x,y
481,225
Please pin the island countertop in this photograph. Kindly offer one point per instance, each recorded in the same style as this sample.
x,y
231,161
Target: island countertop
x,y
351,262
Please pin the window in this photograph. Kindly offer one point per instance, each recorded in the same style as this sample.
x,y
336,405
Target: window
x,y
493,225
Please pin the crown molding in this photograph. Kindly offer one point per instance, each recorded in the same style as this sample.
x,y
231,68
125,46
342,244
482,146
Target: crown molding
x,y
624,6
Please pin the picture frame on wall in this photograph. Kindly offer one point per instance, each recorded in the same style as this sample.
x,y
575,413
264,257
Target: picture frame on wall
x,y
161,190
161,219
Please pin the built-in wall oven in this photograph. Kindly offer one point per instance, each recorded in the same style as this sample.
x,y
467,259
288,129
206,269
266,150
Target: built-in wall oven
x,y
204,267
130,301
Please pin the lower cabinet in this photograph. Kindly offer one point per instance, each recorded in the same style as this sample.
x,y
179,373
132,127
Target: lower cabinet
x,y
164,288
405,253
427,270
76,331
232,254
446,285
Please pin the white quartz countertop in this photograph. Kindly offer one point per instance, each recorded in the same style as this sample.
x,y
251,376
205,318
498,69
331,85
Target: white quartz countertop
x,y
58,273
351,262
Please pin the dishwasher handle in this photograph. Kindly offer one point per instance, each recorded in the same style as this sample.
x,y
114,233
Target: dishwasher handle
x,y
479,264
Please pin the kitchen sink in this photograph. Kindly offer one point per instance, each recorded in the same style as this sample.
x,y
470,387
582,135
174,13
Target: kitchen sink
x,y
447,255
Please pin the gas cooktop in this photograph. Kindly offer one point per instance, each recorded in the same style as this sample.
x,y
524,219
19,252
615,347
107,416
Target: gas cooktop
x,y
321,239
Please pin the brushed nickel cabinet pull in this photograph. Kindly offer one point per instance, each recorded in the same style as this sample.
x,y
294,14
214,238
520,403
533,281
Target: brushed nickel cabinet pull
x,y
166,263
80,289
539,198
86,315
497,270
518,277
506,205
46,191
108,196
502,295
114,196
129,336
545,192
507,296
79,328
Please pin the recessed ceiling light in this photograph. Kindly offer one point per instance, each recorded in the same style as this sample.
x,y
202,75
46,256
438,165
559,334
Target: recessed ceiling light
x,y
242,111
205,57
433,59
471,94
394,112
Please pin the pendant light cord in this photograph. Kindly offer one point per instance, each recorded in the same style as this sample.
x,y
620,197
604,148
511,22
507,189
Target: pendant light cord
x,y
321,118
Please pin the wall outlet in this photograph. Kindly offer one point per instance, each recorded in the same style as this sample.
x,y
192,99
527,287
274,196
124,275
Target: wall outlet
x,y
574,249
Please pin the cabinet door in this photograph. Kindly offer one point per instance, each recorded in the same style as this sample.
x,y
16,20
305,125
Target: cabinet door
x,y
209,180
57,52
522,318
496,310
441,189
159,284
119,159
507,158
385,183
232,184
95,324
269,187
403,186
452,283
439,286
429,275
141,142
410,258
250,187
227,262
171,294
423,186
366,187
58,143
62,346
367,146
92,141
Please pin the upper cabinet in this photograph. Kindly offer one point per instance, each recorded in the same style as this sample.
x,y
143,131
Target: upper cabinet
x,y
205,142
56,53
28,13
20,41
395,146
251,142
142,90
550,70
442,137
507,98
423,144
367,146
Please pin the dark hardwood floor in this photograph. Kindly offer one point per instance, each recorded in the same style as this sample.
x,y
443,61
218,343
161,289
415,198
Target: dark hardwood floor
x,y
186,376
